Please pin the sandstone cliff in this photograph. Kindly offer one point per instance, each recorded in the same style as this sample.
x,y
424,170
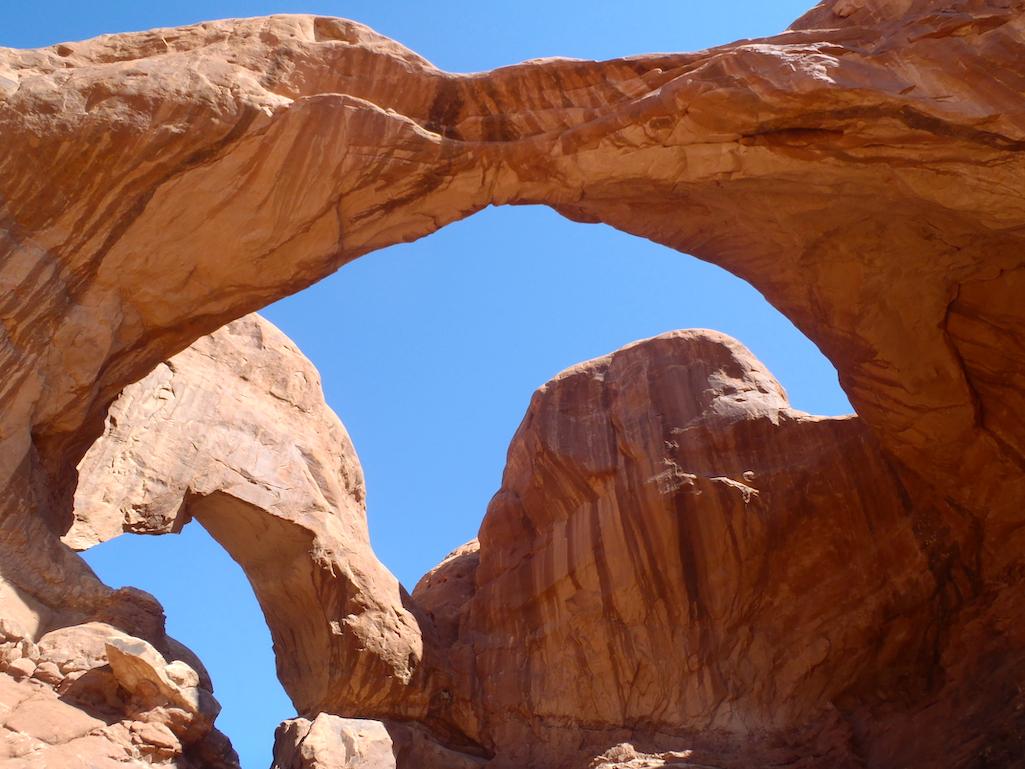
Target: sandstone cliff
x,y
862,169
680,560
234,433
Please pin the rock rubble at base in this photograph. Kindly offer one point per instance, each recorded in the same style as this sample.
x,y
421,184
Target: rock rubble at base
x,y
92,697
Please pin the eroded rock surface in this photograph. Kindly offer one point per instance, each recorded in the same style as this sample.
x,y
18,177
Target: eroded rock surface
x,y
682,565
93,697
234,432
625,756
861,169
330,742
676,554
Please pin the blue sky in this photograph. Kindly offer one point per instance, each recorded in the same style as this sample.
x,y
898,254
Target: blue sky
x,y
430,351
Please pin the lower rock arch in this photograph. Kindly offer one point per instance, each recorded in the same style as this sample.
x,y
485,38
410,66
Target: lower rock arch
x,y
266,467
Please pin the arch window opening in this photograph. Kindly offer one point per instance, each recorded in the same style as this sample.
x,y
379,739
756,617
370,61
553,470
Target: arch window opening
x,y
210,607
429,353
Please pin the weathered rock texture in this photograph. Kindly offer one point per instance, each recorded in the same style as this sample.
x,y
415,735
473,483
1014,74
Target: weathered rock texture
x,y
331,742
680,559
677,558
862,169
90,696
234,432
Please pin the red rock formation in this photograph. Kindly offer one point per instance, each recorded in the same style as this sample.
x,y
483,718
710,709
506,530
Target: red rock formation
x,y
861,169
94,697
234,432
331,742
677,557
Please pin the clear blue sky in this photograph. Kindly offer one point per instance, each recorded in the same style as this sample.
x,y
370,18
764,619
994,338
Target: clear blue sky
x,y
430,351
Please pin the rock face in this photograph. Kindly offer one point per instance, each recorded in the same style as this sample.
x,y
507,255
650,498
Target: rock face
x,y
625,756
861,169
234,432
330,742
90,696
678,557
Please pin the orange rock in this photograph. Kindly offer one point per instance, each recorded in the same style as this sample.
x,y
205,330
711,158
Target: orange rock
x,y
330,742
234,432
102,698
676,551
862,169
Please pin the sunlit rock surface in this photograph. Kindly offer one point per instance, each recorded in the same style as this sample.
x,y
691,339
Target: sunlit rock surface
x,y
862,169
332,742
234,432
90,696
680,559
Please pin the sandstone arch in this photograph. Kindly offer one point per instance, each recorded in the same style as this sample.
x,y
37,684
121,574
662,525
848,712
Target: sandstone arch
x,y
234,433
676,557
154,186
826,106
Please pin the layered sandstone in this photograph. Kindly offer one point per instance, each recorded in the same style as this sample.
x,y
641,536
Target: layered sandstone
x,y
861,169
680,559
677,560
234,433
